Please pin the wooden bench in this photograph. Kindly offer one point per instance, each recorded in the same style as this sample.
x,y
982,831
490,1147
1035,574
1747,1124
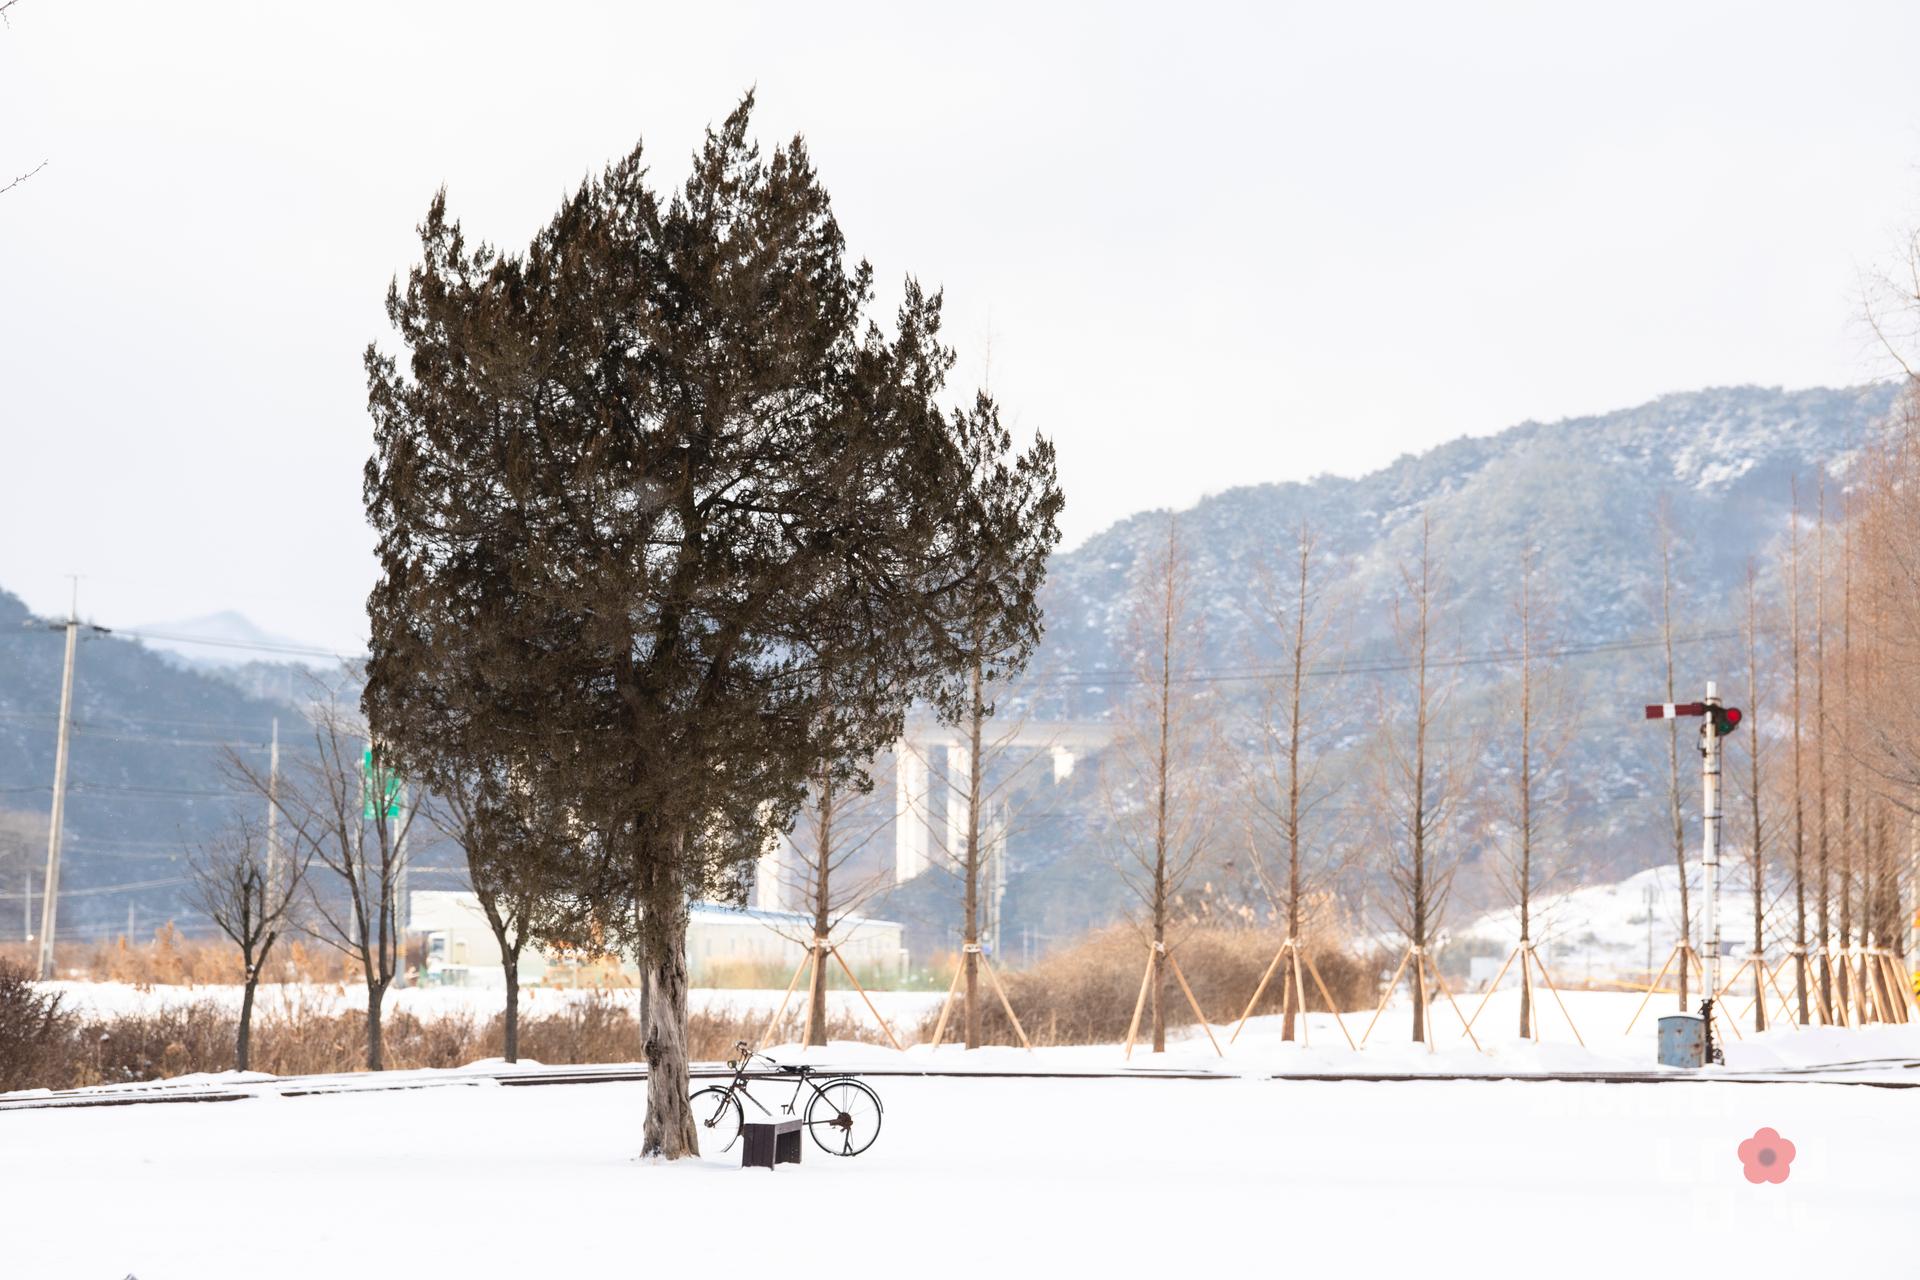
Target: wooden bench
x,y
766,1143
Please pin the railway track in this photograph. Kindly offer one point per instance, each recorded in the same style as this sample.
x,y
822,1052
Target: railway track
x,y
1873,1073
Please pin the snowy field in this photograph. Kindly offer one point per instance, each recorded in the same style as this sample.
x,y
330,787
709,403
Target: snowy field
x,y
974,1177
1013,1177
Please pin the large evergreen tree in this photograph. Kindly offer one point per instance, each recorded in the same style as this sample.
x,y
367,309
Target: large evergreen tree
x,y
666,524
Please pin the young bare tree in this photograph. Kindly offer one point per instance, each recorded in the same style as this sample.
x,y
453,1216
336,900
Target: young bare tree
x,y
1849,868
1284,787
819,873
1156,772
1795,654
1823,876
1674,792
1420,776
507,845
996,627
984,767
249,890
1756,829
1536,704
341,813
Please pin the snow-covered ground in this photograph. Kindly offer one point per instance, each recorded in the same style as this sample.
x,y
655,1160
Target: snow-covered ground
x,y
1014,1177
974,1177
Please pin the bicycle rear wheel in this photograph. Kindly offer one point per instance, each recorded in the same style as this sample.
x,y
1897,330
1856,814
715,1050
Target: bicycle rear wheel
x,y
843,1116
717,1114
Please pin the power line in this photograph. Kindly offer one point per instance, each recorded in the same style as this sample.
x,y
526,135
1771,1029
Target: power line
x,y
257,646
1373,666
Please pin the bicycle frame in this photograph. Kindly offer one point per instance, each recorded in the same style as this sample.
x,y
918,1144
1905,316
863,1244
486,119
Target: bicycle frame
x,y
802,1077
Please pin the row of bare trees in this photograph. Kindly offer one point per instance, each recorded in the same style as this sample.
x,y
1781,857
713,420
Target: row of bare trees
x,y
1825,811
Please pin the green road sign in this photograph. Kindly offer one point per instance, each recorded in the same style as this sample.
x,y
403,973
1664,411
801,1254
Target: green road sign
x,y
387,783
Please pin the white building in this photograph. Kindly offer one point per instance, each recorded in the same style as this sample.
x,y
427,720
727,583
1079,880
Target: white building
x,y
726,946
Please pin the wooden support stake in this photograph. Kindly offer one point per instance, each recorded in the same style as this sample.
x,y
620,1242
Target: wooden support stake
x,y
1388,994
946,1006
1556,999
1181,978
791,984
1005,1003
1133,1028
1787,1011
835,953
1442,983
1298,995
1494,986
1320,982
1651,988
1261,990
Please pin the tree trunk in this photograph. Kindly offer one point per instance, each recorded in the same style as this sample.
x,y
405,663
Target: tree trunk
x,y
1291,1009
510,1016
970,952
670,1132
1799,789
243,1045
822,915
376,1046
817,999
1673,750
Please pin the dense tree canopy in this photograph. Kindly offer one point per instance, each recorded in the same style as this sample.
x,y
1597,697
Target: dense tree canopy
x,y
667,523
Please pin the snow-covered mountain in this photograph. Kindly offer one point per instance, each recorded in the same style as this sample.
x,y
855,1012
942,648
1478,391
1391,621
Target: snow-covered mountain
x,y
228,639
1584,495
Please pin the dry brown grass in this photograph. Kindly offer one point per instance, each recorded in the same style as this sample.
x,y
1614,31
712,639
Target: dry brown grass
x,y
74,1051
1085,994
168,958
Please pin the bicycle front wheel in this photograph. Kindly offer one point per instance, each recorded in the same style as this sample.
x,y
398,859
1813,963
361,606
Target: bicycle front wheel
x,y
716,1112
844,1117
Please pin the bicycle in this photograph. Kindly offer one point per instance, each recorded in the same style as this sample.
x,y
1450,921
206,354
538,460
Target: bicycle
x,y
842,1113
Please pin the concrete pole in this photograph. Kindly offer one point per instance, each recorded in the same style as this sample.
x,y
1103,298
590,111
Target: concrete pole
x,y
273,807
1710,835
50,887
959,784
909,813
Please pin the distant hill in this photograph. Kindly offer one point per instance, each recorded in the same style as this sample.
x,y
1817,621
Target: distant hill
x,y
145,780
1584,493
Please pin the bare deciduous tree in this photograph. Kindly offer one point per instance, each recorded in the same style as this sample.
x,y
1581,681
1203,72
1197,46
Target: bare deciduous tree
x,y
1284,787
819,872
1756,828
1674,793
1795,654
1156,772
249,890
335,820
1543,738
494,823
1420,776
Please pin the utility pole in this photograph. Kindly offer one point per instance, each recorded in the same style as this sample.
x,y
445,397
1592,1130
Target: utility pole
x,y
1649,933
50,886
273,806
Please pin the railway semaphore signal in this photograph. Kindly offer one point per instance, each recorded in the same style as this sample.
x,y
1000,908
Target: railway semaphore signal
x,y
1717,721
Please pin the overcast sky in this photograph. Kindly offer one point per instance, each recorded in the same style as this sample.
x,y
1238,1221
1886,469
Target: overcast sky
x,y
1207,246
